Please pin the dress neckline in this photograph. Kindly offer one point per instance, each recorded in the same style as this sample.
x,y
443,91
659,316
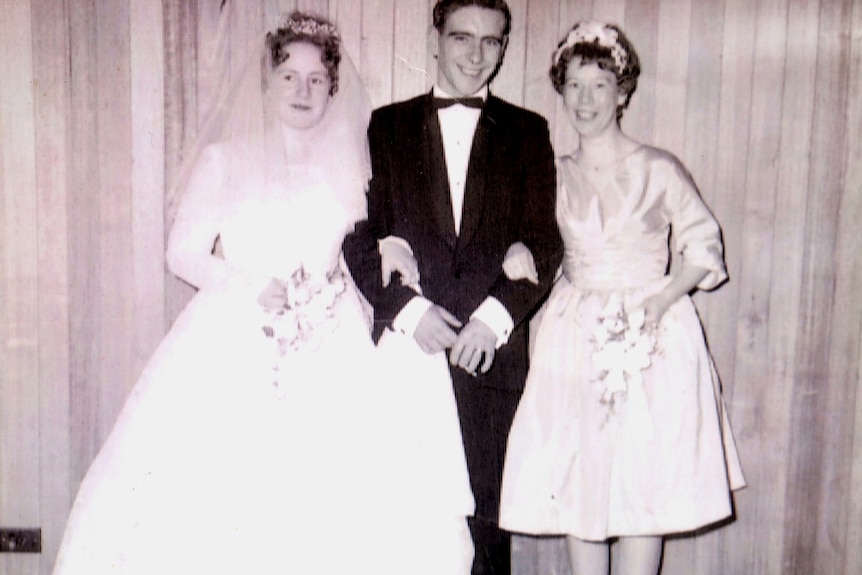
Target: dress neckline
x,y
577,156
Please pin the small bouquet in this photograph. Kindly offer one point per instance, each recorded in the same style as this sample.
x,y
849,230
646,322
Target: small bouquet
x,y
623,349
307,317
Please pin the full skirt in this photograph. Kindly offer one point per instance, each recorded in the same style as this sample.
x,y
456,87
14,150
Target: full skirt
x,y
220,464
661,459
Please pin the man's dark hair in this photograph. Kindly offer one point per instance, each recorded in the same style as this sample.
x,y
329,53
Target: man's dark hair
x,y
444,8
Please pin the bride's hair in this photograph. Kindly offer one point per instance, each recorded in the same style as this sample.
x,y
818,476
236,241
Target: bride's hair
x,y
240,119
315,30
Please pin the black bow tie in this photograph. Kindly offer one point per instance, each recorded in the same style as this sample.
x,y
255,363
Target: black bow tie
x,y
474,102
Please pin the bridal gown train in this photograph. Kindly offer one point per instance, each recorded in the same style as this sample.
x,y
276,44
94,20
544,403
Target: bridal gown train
x,y
341,461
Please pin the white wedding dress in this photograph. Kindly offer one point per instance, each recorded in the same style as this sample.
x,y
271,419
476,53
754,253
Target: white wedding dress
x,y
339,462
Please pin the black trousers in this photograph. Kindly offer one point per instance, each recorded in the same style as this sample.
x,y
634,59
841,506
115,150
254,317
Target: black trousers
x,y
493,548
486,416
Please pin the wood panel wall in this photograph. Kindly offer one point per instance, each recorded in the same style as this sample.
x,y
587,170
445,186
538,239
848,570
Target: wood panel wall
x,y
762,99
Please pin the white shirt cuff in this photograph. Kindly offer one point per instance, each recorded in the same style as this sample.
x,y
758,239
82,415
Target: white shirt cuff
x,y
397,240
409,316
497,317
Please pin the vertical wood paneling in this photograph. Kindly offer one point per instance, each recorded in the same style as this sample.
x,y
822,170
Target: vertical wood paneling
x,y
784,295
348,15
852,212
788,247
410,75
430,59
19,279
377,50
509,83
703,99
52,149
641,26
853,554
189,27
610,11
808,547
84,230
320,7
702,127
671,69
113,82
203,16
732,147
175,97
760,185
754,277
702,554
837,517
565,138
147,178
542,25
840,293
694,86
544,29
20,500
760,99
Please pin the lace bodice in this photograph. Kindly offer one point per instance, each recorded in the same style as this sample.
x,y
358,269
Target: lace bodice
x,y
265,230
276,233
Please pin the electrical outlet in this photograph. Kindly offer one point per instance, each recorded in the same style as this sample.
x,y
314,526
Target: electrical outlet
x,y
20,540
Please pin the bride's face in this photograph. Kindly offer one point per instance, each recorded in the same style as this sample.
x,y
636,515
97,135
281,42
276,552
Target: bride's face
x,y
301,86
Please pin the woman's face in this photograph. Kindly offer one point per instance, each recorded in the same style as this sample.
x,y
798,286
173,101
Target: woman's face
x,y
591,97
301,86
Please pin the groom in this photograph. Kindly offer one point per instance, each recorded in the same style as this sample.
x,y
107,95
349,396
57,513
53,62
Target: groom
x,y
459,176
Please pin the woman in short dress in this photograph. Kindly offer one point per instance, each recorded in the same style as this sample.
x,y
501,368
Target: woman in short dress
x,y
622,435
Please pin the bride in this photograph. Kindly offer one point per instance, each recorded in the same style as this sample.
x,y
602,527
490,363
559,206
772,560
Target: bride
x,y
267,434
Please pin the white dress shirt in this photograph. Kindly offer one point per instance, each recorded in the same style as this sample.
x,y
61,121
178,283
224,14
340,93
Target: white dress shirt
x,y
457,127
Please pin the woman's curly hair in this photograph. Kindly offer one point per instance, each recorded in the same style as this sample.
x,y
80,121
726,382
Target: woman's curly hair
x,y
599,53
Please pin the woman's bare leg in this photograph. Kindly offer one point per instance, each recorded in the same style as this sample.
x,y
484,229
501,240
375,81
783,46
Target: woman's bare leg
x,y
637,556
588,557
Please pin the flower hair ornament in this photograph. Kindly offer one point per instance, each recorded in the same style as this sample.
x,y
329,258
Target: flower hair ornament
x,y
310,27
592,32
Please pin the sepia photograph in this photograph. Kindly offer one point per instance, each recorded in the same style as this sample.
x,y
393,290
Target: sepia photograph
x,y
431,287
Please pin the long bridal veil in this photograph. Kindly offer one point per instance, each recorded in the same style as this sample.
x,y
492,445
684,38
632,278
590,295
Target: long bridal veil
x,y
207,469
386,437
237,110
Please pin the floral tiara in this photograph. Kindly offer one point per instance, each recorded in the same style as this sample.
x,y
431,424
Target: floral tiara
x,y
308,26
595,32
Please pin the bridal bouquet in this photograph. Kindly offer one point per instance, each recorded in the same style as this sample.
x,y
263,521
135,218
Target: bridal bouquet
x,y
623,349
307,317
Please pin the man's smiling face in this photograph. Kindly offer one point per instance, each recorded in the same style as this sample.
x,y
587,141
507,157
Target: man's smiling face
x,y
470,47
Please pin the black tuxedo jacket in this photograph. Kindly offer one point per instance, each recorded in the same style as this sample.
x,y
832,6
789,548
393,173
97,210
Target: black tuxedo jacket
x,y
509,196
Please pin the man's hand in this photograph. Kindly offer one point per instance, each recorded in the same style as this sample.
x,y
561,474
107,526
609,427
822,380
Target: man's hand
x,y
475,344
436,330
395,257
519,264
